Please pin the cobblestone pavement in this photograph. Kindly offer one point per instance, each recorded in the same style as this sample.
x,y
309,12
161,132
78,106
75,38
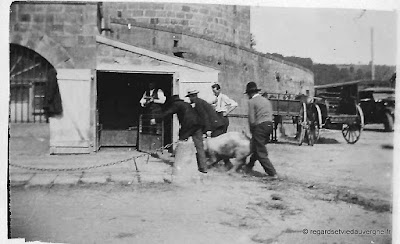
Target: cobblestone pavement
x,y
149,170
29,148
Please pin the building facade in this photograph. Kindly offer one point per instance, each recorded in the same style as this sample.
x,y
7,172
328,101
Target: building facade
x,y
106,52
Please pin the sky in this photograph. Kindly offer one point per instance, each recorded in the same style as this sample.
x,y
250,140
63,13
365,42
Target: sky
x,y
326,35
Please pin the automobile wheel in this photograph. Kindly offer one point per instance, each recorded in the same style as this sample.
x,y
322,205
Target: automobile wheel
x,y
388,123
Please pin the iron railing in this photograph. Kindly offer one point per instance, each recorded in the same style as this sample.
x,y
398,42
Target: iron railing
x,y
28,78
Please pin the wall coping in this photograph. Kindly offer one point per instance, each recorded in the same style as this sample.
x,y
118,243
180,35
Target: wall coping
x,y
132,22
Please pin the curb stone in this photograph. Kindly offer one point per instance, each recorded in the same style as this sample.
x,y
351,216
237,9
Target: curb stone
x,y
72,179
41,179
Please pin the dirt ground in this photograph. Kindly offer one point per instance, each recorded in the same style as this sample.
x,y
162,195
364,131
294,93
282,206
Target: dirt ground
x,y
332,192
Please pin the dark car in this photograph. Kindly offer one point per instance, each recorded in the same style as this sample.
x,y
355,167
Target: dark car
x,y
377,104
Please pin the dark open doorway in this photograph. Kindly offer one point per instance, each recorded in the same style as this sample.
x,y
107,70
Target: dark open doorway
x,y
118,96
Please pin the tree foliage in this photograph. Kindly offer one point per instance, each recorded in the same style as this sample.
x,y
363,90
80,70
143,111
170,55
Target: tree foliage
x,y
333,73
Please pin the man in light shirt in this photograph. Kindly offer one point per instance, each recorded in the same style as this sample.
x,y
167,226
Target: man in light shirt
x,y
223,105
151,101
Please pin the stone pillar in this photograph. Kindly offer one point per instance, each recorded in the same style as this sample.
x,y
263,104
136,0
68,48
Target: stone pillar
x,y
185,165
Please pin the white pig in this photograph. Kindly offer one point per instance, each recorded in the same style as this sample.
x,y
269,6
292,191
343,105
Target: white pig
x,y
235,145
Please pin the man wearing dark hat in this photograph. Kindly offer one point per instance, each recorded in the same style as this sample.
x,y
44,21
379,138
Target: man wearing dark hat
x,y
261,125
190,126
211,121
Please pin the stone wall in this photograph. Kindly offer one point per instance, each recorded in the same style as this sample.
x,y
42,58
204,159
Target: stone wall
x,y
63,33
229,23
237,64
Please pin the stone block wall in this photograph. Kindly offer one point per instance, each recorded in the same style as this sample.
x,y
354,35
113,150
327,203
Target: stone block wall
x,y
230,23
64,33
213,35
238,65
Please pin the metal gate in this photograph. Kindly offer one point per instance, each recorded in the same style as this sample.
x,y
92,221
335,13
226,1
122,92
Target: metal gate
x,y
150,137
28,77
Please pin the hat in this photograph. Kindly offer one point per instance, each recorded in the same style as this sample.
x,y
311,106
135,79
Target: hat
x,y
192,92
251,87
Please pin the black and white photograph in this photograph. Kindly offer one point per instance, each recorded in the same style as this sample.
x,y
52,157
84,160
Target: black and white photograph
x,y
199,122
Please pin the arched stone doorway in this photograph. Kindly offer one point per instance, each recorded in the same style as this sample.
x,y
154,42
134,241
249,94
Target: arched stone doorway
x,y
28,78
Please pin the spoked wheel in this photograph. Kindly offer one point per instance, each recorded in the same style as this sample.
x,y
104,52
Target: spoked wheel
x,y
319,122
302,124
314,121
352,132
388,122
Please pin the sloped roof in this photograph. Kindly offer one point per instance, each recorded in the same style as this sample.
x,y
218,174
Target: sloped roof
x,y
154,55
338,84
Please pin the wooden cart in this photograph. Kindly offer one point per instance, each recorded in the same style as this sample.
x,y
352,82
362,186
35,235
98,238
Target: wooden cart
x,y
335,106
291,108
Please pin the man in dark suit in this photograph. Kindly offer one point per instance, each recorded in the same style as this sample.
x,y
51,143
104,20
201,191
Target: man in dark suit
x,y
213,123
190,126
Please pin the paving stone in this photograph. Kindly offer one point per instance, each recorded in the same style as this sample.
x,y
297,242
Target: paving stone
x,y
20,179
124,177
67,179
42,179
17,183
94,178
153,177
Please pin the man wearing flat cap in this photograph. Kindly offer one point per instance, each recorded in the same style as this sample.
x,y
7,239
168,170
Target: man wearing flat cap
x,y
208,115
261,126
191,126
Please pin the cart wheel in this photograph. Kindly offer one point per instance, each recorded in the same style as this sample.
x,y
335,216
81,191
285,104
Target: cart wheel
x,y
301,135
313,125
360,115
388,122
319,125
352,132
302,124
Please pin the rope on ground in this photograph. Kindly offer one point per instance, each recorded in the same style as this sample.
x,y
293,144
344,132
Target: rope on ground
x,y
148,154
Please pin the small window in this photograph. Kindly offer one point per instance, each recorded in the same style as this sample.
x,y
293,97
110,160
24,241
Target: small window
x,y
119,14
176,43
154,21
